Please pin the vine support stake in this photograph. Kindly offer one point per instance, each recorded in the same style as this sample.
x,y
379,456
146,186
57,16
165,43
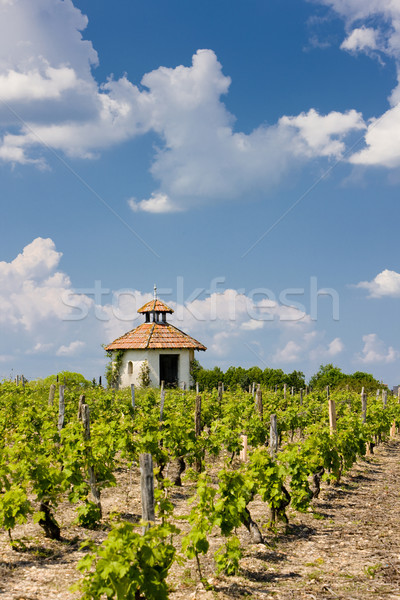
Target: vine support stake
x,y
147,490
332,415
259,403
162,400
301,396
273,436
61,407
284,391
220,392
197,430
133,395
84,416
384,398
243,451
363,406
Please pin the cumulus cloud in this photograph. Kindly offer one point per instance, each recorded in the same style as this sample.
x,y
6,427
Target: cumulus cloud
x,y
382,141
386,283
46,74
72,348
382,136
324,134
325,352
29,289
45,319
362,38
157,203
385,12
375,351
291,352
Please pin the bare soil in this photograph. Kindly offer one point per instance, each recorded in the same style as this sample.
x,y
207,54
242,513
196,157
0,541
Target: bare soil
x,y
348,547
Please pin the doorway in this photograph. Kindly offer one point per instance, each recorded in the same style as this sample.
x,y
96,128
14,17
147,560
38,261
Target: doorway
x,y
169,369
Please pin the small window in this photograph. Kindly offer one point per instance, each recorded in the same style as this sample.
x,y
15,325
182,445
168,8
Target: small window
x,y
130,367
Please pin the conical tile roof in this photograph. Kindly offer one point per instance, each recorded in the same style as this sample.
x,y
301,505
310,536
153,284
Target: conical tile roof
x,y
155,336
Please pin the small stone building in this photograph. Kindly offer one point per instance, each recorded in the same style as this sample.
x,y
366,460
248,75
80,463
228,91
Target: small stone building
x,y
168,350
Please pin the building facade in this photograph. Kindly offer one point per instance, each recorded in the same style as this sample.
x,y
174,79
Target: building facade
x,y
167,350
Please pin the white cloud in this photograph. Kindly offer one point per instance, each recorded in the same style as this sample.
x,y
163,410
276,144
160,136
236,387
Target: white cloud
x,y
375,351
323,352
383,133
385,12
47,323
32,85
382,141
291,352
386,283
40,347
324,134
252,325
72,349
335,347
45,70
361,38
30,289
157,203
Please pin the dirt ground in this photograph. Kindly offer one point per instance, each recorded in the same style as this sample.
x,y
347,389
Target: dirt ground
x,y
348,548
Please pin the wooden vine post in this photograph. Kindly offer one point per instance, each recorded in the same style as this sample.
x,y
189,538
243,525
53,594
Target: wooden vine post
x,y
363,406
301,396
393,427
243,451
84,411
384,398
133,395
147,490
273,436
220,392
284,391
162,401
259,402
61,407
332,411
197,430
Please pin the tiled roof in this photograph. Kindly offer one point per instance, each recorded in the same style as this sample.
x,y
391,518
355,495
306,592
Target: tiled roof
x,y
155,305
155,336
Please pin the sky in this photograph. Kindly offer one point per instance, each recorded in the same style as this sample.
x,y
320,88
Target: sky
x,y
242,155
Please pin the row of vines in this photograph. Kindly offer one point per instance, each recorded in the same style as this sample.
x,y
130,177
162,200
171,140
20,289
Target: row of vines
x,y
48,456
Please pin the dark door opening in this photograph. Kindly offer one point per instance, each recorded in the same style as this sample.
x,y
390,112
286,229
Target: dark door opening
x,y
169,369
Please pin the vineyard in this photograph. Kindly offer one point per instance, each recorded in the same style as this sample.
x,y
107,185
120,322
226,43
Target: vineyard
x,y
234,471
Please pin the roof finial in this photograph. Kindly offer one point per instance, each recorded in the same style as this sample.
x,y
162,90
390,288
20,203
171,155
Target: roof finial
x,y
155,292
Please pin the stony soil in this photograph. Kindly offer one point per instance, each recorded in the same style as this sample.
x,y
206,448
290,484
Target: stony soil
x,y
348,548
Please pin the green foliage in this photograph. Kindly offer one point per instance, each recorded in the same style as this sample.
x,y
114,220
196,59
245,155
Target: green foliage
x,y
144,374
70,378
201,519
208,379
227,557
127,565
14,507
113,368
335,378
89,515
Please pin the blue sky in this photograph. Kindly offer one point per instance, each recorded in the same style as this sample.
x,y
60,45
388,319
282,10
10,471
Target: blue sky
x,y
242,155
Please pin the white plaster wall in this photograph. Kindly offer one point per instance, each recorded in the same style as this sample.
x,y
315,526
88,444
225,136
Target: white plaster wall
x,y
153,358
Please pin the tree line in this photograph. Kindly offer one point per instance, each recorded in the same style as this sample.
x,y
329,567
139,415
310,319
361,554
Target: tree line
x,y
270,378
